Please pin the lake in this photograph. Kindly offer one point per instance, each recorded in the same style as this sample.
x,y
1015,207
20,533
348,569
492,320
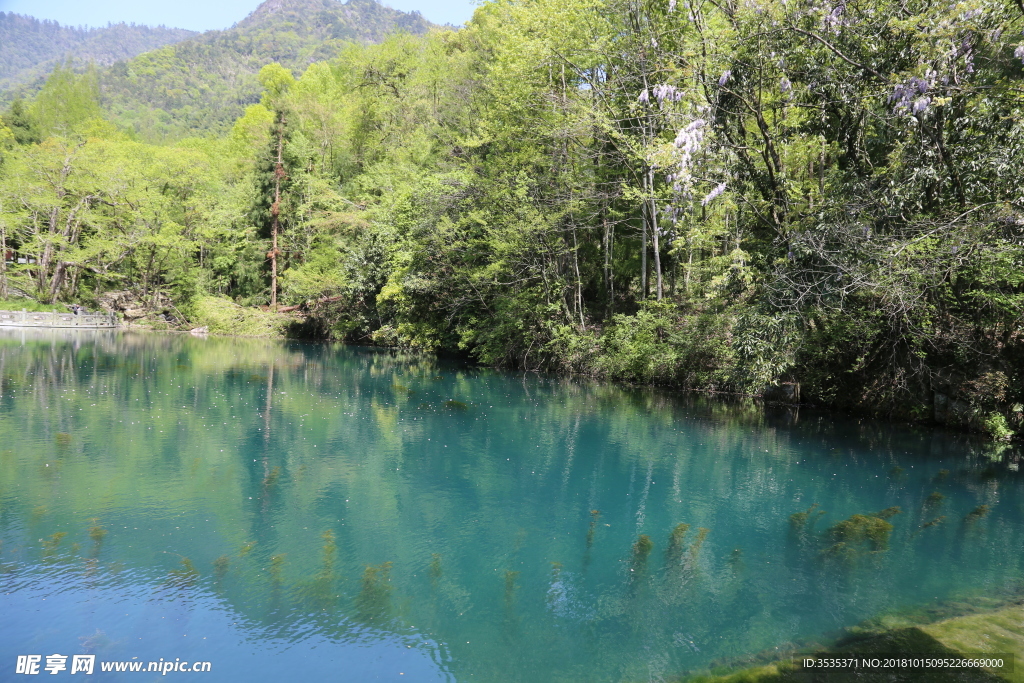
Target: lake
x,y
313,512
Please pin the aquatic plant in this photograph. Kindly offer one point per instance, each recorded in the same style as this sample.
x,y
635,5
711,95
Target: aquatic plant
x,y
888,513
641,551
642,548
220,565
937,520
435,570
510,586
271,478
276,568
895,472
246,548
934,499
329,549
96,532
184,577
51,544
798,520
455,405
941,476
594,516
374,600
676,539
857,532
976,514
702,534
63,439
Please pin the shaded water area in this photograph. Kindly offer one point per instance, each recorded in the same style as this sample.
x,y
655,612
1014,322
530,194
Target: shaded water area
x,y
287,510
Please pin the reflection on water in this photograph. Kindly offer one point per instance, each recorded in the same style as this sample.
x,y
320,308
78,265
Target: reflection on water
x,y
280,508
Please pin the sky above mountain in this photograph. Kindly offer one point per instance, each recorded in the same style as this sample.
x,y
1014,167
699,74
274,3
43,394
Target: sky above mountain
x,y
199,15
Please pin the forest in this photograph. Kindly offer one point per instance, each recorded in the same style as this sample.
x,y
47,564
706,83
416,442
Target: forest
x,y
813,201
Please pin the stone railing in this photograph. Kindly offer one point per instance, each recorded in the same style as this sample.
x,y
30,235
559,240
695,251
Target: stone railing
x,y
57,319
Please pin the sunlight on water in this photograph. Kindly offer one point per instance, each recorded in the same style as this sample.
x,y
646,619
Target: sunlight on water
x,y
283,510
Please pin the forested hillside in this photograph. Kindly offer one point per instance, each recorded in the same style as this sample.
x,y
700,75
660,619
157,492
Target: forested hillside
x,y
202,85
735,197
30,48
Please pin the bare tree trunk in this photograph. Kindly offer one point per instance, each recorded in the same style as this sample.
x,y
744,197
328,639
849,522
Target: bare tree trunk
x,y
275,211
654,232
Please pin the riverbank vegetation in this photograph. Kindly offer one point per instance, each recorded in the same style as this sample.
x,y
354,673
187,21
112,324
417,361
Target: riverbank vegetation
x,y
811,201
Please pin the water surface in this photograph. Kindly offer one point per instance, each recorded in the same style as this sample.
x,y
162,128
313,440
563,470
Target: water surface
x,y
287,510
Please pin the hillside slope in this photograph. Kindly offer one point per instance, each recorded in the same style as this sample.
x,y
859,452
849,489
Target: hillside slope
x,y
200,86
30,48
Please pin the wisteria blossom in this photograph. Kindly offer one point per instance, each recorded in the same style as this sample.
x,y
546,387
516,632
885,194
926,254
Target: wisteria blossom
x,y
726,75
663,93
687,144
1019,53
710,197
912,95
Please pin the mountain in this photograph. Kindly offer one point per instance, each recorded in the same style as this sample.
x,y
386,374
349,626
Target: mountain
x,y
171,83
201,85
30,48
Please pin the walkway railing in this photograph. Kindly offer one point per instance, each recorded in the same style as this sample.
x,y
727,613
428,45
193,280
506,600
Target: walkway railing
x,y
25,318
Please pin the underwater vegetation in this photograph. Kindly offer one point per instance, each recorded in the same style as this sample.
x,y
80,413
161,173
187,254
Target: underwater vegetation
x,y
860,533
641,551
435,570
976,514
942,475
676,539
594,516
271,479
96,532
510,585
373,604
934,522
320,590
51,544
220,566
934,499
702,534
246,549
455,405
276,568
63,439
799,520
184,577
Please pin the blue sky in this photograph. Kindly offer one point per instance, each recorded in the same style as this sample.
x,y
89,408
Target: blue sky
x,y
198,15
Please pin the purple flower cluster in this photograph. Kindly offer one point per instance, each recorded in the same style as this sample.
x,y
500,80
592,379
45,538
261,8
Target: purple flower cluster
x,y
662,93
687,142
726,75
912,96
1019,53
710,197
835,17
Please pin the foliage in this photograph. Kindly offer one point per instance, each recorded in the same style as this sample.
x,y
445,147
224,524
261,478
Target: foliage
x,y
715,197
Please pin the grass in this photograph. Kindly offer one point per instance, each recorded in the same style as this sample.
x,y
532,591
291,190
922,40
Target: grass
x,y
996,632
223,316
19,303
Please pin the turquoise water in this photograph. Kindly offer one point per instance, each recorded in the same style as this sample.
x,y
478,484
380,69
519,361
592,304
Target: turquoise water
x,y
323,512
